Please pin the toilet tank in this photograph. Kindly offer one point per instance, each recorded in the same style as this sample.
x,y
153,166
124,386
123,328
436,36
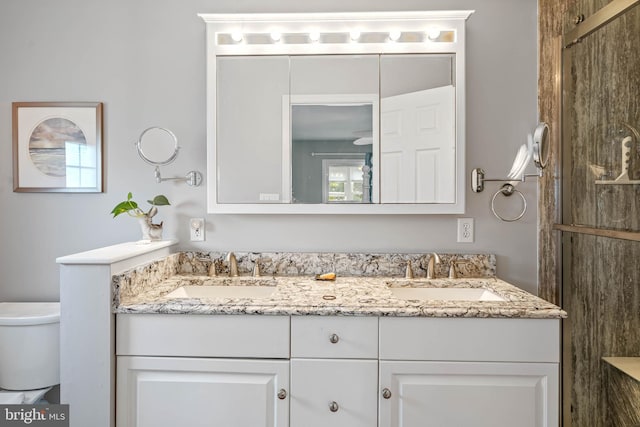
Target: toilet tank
x,y
29,345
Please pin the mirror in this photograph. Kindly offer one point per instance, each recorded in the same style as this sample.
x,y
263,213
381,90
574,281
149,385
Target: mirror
x,y
251,104
418,134
332,151
334,111
541,145
157,146
307,125
336,129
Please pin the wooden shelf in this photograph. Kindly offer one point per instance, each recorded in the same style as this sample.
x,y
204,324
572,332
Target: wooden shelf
x,y
628,365
602,232
627,182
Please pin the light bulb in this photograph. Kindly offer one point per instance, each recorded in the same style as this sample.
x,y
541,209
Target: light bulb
x,y
314,36
236,37
354,35
275,36
394,36
433,34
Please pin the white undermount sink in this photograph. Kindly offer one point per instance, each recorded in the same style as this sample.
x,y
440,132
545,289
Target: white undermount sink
x,y
222,292
445,294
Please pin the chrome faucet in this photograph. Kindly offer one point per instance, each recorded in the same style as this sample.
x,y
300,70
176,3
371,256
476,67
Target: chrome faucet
x,y
233,264
431,265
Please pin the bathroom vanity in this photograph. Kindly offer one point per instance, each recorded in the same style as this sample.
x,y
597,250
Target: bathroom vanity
x,y
357,351
334,370
149,338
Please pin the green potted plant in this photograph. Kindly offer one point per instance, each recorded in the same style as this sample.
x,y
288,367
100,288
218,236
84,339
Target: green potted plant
x,y
150,231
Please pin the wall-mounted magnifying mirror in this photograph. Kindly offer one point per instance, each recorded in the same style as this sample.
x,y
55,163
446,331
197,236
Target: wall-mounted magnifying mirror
x,y
541,145
158,146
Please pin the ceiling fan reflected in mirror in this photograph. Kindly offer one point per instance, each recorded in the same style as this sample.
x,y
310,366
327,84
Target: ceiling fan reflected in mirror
x,y
364,137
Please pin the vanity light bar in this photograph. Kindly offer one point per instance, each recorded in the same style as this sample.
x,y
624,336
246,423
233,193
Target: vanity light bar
x,y
394,36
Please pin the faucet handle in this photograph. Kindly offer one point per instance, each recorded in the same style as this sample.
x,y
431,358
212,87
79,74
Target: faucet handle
x,y
213,268
256,269
453,272
408,274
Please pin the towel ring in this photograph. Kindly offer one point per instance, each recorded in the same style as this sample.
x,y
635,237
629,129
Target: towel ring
x,y
507,190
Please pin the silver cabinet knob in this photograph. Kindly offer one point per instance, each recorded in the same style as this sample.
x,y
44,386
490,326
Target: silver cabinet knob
x,y
333,406
334,338
386,393
282,394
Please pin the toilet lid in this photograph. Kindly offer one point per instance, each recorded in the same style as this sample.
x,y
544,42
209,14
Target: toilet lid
x,y
11,398
29,313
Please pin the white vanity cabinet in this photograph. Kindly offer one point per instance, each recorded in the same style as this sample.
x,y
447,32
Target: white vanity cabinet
x,y
462,372
194,371
334,371
200,392
308,371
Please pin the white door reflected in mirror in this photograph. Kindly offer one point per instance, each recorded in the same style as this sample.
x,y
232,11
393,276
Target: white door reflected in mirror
x,y
418,147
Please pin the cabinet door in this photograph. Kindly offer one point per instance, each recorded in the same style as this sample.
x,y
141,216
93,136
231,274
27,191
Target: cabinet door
x,y
336,393
170,392
468,394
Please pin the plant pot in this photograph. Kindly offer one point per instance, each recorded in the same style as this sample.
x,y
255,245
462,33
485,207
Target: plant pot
x,y
150,231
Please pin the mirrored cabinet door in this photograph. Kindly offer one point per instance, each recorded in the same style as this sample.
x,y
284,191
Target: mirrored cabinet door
x,y
418,134
249,117
334,129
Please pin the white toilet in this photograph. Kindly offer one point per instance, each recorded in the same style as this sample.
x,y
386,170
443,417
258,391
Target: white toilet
x,y
29,350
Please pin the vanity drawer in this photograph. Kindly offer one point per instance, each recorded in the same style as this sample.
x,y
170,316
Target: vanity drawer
x,y
470,339
202,335
336,393
334,337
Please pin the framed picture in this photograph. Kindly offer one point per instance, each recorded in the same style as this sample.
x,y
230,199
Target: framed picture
x,y
57,147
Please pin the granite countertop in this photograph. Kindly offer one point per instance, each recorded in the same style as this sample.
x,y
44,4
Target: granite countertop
x,y
346,296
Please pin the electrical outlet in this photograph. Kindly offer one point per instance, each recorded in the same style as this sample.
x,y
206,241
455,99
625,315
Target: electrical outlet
x,y
465,230
196,227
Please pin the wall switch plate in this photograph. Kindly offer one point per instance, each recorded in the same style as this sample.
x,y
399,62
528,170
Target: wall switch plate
x,y
196,227
465,230
272,197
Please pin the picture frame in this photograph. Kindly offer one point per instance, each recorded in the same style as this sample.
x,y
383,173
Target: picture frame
x,y
57,147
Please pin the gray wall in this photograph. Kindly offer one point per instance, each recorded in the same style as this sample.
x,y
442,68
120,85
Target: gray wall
x,y
146,61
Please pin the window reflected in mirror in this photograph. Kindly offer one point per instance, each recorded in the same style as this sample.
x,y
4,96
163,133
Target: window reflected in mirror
x,y
344,181
331,145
